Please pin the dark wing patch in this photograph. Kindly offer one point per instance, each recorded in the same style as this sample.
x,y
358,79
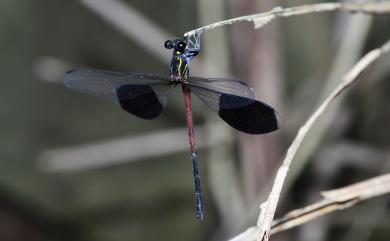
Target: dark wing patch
x,y
139,100
247,115
235,103
144,95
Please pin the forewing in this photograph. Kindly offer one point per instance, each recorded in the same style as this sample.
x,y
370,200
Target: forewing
x,y
143,95
222,85
102,83
242,112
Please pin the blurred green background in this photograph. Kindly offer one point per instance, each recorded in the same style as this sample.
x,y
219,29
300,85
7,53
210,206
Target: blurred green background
x,y
152,198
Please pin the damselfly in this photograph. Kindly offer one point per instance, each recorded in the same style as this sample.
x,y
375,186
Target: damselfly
x,y
145,96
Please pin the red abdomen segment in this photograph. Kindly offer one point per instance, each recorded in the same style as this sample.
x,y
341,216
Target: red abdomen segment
x,y
195,169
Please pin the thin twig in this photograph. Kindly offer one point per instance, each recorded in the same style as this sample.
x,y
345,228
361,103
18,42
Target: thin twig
x,y
268,208
333,200
372,212
352,32
260,19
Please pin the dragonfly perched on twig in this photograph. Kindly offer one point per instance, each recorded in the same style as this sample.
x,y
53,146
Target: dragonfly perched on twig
x,y
145,96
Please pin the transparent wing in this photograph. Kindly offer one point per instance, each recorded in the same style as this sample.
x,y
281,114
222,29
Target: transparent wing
x,y
143,95
222,85
102,83
235,103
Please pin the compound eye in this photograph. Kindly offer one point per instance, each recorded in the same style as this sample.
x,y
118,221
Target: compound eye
x,y
181,46
168,44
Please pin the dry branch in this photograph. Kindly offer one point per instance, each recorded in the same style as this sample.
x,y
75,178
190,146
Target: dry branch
x,y
268,208
260,19
333,200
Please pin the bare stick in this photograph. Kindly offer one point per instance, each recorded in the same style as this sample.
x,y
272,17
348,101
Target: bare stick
x,y
268,208
333,200
260,19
